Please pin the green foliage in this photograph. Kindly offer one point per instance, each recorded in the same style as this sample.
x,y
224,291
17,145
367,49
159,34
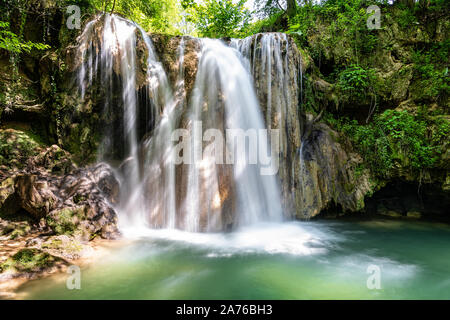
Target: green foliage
x,y
152,15
431,68
398,138
260,26
347,26
356,83
11,42
301,24
268,8
405,18
218,18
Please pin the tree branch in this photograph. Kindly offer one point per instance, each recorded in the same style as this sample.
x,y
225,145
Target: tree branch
x,y
114,5
278,4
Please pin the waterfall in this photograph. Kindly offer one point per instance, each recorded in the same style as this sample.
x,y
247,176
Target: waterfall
x,y
224,98
158,181
104,56
277,74
141,114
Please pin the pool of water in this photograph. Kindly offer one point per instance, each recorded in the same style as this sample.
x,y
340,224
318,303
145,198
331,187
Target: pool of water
x,y
297,260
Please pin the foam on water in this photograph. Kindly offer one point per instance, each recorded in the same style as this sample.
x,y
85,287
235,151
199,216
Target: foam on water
x,y
292,238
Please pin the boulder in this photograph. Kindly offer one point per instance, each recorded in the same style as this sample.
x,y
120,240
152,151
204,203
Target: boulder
x,y
79,204
8,200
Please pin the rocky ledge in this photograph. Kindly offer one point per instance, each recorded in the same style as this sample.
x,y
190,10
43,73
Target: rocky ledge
x,y
50,210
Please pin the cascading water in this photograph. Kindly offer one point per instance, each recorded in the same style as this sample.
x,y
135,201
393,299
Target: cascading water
x,y
224,98
204,194
277,74
210,195
103,58
108,54
159,181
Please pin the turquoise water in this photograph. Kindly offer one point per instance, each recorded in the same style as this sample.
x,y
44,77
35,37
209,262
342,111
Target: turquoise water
x,y
312,260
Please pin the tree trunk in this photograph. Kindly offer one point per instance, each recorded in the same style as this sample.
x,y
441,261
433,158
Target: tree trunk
x,y
114,6
291,8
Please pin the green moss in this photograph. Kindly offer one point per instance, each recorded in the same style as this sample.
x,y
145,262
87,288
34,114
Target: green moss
x,y
29,260
356,84
16,146
20,231
79,198
431,71
360,204
53,244
65,221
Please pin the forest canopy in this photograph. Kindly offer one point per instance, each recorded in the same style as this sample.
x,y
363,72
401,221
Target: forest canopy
x,y
215,18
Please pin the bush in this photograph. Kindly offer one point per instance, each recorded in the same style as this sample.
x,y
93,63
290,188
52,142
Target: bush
x,y
399,138
355,84
346,24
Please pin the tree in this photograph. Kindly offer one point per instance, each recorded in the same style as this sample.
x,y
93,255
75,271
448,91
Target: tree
x,y
152,15
269,7
291,7
217,18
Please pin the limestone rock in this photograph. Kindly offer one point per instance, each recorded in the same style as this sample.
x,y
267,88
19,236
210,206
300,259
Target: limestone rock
x,y
167,49
328,172
8,200
78,204
35,195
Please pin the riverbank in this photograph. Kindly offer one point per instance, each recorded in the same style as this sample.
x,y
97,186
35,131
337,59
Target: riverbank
x,y
38,256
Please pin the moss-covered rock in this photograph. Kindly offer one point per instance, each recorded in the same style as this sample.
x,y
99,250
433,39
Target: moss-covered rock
x,y
30,260
22,148
16,147
65,246
66,220
17,230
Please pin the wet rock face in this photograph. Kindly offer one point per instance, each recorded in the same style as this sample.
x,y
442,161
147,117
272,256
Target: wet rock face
x,y
317,169
328,173
92,116
167,48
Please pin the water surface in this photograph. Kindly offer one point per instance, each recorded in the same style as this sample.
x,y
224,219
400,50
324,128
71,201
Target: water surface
x,y
298,260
